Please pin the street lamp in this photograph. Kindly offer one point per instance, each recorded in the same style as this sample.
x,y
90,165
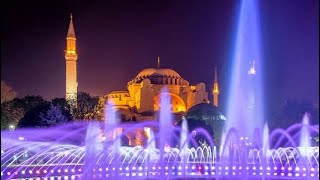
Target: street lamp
x,y
11,127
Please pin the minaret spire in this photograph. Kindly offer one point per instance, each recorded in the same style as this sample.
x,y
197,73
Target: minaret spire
x,y
71,66
215,90
71,32
158,63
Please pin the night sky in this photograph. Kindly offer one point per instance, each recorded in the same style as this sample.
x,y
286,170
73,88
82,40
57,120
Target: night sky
x,y
117,39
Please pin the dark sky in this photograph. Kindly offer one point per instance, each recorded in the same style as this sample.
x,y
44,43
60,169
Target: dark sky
x,y
117,39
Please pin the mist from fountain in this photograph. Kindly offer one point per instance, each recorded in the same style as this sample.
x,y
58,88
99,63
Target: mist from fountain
x,y
304,135
245,107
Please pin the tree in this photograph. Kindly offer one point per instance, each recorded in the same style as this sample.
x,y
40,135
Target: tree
x,y
55,115
85,106
32,117
7,92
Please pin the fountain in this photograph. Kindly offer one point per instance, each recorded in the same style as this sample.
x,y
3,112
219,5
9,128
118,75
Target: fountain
x,y
93,150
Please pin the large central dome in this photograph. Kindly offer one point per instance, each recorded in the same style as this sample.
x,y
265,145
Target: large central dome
x,y
165,72
160,76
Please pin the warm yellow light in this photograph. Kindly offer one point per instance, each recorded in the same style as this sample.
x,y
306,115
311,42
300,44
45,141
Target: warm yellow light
x,y
71,52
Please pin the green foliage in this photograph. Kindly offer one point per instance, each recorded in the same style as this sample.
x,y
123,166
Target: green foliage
x,y
85,106
55,115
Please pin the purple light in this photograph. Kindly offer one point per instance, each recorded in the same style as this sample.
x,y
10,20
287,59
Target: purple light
x,y
59,170
133,168
37,172
100,169
226,167
72,170
120,168
282,168
179,167
30,172
275,168
268,168
113,169
254,168
289,168
45,171
127,168
153,168
304,169
8,173
80,170
140,168
166,167
233,167
23,172
52,171
297,174
240,167
66,170
261,167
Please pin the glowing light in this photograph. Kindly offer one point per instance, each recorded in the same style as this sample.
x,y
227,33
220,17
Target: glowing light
x,y
233,167
254,168
140,168
297,174
226,167
289,168
23,172
275,168
37,172
268,168
45,171
100,169
66,170
8,173
30,172
240,167
312,169
59,171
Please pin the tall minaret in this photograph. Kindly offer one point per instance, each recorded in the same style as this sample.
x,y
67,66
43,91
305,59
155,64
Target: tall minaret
x,y
215,90
71,66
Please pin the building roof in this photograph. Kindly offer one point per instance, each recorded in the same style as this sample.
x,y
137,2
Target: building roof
x,y
204,112
158,72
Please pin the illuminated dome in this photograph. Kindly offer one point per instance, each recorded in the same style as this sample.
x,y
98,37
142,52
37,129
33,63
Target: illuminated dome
x,y
160,76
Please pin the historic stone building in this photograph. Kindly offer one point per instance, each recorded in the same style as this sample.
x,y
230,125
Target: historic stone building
x,y
143,93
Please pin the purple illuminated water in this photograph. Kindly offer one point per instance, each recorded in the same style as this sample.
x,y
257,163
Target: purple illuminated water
x,y
93,150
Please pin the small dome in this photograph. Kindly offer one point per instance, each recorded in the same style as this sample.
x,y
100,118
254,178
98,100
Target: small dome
x,y
204,112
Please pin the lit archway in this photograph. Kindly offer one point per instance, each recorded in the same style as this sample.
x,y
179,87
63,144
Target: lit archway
x,y
177,104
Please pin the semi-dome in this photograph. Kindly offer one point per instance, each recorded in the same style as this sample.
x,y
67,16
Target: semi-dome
x,y
160,76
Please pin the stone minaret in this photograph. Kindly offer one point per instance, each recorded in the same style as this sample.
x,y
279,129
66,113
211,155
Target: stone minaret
x,y
71,66
215,90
